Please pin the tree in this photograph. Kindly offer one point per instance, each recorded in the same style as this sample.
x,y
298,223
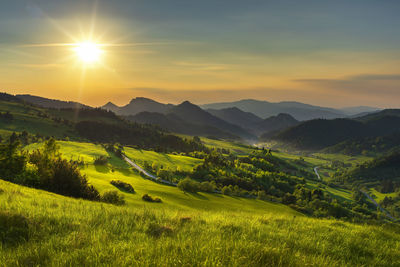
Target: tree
x,y
189,185
226,190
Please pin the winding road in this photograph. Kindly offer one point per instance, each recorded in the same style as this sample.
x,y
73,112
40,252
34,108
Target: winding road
x,y
149,175
378,206
316,172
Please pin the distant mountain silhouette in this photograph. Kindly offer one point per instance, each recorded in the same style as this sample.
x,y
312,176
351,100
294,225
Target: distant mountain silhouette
x,y
380,114
174,123
194,114
275,124
51,103
137,105
236,116
111,107
351,111
264,109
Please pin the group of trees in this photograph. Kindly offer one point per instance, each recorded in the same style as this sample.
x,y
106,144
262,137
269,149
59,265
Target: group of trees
x,y
137,135
47,170
384,169
6,116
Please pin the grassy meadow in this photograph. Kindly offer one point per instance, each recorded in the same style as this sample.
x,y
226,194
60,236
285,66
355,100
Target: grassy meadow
x,y
49,229
27,118
186,229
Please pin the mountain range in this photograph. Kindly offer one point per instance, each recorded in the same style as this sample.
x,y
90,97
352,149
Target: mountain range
x,y
301,125
299,111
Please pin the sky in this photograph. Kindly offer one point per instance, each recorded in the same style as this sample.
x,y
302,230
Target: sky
x,y
329,53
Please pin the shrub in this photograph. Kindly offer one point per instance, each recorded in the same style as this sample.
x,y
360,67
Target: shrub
x,y
226,190
59,175
123,186
189,185
208,186
148,198
102,160
113,197
261,195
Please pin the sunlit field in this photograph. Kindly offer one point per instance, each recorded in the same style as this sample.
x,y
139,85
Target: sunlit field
x,y
53,230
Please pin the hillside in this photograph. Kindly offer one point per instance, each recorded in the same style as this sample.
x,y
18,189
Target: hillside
x,y
319,134
51,103
194,114
367,145
175,124
275,124
382,168
264,109
380,114
97,125
145,233
246,120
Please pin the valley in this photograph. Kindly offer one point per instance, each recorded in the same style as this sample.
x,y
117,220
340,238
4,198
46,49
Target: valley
x,y
212,196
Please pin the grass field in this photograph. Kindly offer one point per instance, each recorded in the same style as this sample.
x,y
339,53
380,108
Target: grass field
x,y
53,230
168,161
344,158
186,229
235,148
100,176
378,196
26,119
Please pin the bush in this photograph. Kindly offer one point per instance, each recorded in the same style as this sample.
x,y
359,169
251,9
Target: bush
x,y
113,197
226,190
189,185
207,186
59,175
262,195
123,186
148,198
102,160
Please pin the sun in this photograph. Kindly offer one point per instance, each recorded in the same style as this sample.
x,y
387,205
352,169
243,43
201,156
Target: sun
x,y
88,52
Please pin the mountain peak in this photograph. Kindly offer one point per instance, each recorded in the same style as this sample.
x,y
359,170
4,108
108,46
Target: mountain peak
x,y
142,99
110,104
187,104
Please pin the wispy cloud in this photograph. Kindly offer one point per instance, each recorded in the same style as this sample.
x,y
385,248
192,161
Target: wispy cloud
x,y
205,66
357,78
373,85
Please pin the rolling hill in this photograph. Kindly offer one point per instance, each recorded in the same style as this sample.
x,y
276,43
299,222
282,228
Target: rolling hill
x,y
236,116
275,124
192,113
51,103
174,123
318,134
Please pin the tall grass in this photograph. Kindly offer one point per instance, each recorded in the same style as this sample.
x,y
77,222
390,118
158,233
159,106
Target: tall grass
x,y
63,231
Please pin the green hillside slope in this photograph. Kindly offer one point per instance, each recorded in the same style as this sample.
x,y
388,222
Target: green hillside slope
x,y
48,229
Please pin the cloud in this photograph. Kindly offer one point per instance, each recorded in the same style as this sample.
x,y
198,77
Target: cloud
x,y
205,66
364,89
354,78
